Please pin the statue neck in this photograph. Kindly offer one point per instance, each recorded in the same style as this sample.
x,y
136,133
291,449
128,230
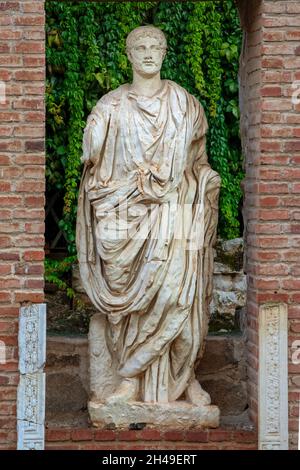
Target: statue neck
x,y
146,86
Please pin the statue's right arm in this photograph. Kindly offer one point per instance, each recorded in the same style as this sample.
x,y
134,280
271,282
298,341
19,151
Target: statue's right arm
x,y
93,138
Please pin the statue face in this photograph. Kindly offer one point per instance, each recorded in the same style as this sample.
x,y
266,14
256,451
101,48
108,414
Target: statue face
x,y
147,56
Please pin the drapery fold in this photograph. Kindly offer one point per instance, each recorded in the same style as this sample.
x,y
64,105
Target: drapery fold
x,y
147,216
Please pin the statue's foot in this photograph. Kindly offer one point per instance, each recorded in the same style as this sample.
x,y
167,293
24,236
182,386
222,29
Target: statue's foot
x,y
196,395
127,391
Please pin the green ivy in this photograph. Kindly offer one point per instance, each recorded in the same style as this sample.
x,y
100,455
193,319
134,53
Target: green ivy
x,y
56,271
86,58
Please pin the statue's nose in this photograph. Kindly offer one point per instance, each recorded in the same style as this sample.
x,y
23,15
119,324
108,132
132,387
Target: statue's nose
x,y
148,54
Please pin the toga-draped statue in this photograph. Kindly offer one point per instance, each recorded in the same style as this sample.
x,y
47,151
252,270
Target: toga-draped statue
x,y
146,224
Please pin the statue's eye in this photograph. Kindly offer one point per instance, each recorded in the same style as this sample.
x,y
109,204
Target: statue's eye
x,y
140,48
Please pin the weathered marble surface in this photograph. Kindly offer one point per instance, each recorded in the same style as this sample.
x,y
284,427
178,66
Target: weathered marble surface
x,y
31,388
147,217
273,377
173,415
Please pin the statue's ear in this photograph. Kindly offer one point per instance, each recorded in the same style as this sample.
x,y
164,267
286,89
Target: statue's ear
x,y
128,52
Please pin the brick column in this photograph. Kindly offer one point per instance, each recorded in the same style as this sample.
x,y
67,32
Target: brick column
x,y
22,185
271,131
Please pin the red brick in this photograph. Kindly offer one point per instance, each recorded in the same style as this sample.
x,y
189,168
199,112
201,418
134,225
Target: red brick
x,y
5,296
10,34
266,284
58,435
29,131
292,146
292,35
274,36
82,434
5,75
29,75
10,60
29,159
34,228
293,424
29,20
34,255
8,311
291,284
5,269
104,435
9,116
269,201
272,297
33,7
34,172
150,435
30,47
12,172
293,7
30,186
273,188
31,104
35,201
216,435
174,436
29,61
274,214
34,116
33,297
35,146
197,436
34,284
4,160
35,214
10,283
127,436
9,256
270,146
271,91
4,380
272,63
29,268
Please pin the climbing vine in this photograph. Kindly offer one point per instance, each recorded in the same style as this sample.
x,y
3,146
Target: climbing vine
x,y
86,59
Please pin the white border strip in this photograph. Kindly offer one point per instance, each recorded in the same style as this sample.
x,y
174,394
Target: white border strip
x,y
273,377
31,389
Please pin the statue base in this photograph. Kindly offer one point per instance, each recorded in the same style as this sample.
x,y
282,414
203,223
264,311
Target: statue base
x,y
177,414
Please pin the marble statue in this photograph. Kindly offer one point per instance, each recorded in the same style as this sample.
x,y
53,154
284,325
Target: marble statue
x,y
146,224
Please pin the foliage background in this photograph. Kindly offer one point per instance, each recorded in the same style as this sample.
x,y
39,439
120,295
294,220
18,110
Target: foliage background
x,y
86,59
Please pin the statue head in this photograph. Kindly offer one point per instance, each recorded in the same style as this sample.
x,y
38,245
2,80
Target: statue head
x,y
146,49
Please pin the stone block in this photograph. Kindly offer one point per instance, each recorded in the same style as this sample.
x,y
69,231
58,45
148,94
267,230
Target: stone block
x,y
177,414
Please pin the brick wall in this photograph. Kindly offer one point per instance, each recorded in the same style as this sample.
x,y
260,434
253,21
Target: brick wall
x,y
272,187
150,439
22,185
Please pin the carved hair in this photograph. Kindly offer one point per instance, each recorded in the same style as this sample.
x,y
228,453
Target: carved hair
x,y
145,31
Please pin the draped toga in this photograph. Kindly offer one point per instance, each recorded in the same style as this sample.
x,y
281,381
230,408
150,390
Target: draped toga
x,y
146,223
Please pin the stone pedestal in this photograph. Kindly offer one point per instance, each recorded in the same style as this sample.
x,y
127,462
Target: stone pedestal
x,y
178,414
104,380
